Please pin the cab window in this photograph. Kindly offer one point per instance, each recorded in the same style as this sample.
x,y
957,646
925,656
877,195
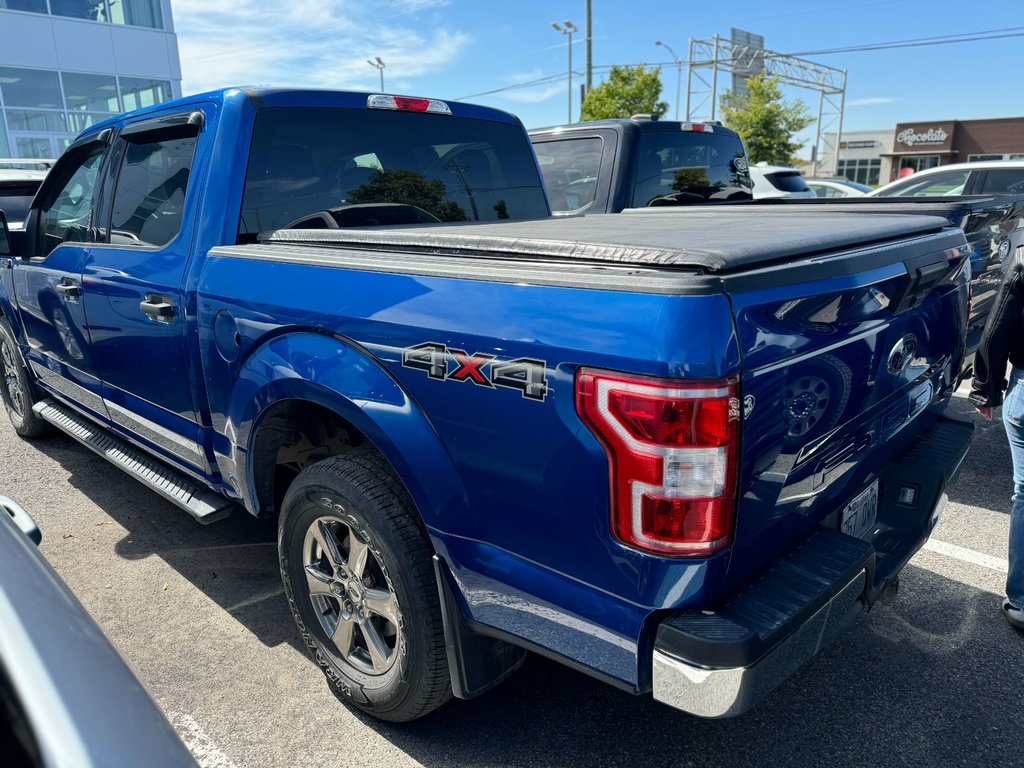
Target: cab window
x,y
341,167
66,202
149,197
570,169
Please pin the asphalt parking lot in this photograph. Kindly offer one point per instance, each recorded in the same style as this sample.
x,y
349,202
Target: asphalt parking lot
x,y
936,679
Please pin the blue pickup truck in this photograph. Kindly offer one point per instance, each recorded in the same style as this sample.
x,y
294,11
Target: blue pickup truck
x,y
679,454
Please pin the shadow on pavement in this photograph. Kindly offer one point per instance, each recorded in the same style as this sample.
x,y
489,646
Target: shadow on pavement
x,y
933,680
233,561
986,480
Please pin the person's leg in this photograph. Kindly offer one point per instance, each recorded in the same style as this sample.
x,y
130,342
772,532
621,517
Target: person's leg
x,y
1013,421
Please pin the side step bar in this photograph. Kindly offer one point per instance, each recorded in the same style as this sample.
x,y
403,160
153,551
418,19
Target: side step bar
x,y
203,504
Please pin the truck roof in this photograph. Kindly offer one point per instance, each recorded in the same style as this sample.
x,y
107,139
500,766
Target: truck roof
x,y
706,240
641,123
292,97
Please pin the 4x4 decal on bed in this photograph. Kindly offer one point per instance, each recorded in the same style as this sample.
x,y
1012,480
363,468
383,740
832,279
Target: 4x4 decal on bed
x,y
525,374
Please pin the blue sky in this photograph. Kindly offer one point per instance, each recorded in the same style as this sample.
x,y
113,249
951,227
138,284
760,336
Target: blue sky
x,y
455,48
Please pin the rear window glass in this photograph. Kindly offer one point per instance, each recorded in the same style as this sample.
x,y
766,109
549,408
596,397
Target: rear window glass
x,y
675,168
316,167
1003,181
15,200
788,181
570,168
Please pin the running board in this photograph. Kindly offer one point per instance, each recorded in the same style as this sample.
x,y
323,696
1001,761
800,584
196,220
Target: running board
x,y
203,504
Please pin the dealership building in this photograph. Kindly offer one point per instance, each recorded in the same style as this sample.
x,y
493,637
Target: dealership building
x,y
66,64
878,157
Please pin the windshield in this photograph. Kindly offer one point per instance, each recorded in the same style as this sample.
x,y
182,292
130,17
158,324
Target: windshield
x,y
15,200
675,168
314,167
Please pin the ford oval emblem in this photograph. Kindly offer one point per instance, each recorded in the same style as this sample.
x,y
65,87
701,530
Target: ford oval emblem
x,y
901,354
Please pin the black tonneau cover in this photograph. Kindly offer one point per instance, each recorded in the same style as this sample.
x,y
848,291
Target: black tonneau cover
x,y
706,240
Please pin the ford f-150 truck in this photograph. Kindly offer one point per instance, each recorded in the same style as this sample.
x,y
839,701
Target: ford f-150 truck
x,y
608,166
680,455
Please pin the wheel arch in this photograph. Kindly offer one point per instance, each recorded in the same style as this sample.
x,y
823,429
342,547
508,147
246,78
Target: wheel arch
x,y
311,378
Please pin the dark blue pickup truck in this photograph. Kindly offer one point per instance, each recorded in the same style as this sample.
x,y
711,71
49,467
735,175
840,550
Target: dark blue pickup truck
x,y
679,454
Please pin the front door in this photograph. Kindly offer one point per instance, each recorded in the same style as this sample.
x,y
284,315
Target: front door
x,y
133,280
48,280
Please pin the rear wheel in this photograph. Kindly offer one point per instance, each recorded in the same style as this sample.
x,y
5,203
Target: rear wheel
x,y
16,389
359,578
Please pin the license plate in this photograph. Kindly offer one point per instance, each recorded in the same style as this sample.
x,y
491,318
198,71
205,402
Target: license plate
x,y
859,515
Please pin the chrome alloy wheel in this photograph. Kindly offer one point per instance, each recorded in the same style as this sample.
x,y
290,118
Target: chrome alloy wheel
x,y
356,607
12,384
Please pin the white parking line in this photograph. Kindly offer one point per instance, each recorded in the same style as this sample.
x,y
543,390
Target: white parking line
x,y
199,743
968,555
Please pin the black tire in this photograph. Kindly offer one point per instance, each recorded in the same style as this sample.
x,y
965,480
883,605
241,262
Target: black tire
x,y
350,501
16,389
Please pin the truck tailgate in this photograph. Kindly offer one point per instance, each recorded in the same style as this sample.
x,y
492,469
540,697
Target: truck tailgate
x,y
845,361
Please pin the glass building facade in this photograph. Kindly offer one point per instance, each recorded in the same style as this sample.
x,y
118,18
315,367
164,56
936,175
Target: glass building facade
x,y
136,13
45,102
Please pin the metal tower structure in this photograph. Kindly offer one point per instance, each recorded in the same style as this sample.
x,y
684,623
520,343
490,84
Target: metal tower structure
x,y
741,57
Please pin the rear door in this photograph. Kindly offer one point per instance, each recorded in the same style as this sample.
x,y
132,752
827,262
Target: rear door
x,y
133,278
48,281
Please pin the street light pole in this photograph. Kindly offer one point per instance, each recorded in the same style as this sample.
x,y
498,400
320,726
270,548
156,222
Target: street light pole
x,y
567,29
679,71
378,64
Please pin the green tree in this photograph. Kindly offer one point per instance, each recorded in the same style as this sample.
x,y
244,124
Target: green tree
x,y
765,121
408,188
627,91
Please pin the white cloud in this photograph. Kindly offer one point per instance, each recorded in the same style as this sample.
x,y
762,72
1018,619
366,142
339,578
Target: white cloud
x,y
871,101
308,43
536,94
530,94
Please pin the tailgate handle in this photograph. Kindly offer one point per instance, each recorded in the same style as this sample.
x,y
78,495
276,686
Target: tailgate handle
x,y
923,275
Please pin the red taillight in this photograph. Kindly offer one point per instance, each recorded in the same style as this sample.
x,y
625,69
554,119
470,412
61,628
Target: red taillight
x,y
697,127
672,452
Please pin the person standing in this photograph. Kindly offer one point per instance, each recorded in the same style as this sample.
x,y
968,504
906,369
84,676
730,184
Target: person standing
x,y
1002,342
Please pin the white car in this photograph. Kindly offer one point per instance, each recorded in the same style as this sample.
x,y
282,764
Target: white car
x,y
778,181
837,187
988,177
17,188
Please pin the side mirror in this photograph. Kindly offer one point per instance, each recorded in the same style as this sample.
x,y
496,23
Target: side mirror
x,y
5,236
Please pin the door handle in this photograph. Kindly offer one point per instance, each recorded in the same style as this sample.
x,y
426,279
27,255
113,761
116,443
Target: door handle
x,y
158,307
69,289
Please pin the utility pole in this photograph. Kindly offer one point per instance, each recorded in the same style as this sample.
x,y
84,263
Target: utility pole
x,y
378,64
679,71
590,60
567,28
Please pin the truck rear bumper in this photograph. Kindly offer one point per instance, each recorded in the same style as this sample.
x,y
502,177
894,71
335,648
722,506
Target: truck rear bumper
x,y
721,663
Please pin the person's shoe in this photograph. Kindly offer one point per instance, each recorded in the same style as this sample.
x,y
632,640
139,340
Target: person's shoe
x,y
1013,614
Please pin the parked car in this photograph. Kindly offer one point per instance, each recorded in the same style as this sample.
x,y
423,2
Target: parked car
x,y
989,177
679,453
17,188
66,697
837,187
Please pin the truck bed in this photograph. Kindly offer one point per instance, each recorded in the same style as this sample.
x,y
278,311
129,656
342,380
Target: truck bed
x,y
714,240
